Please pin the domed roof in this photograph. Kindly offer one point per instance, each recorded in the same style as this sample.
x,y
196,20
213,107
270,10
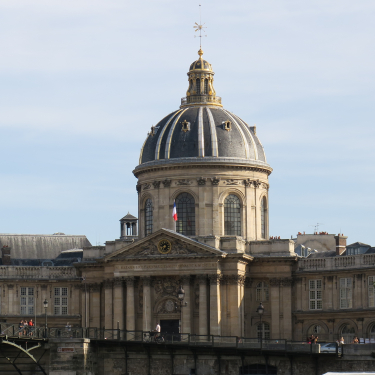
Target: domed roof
x,y
200,64
202,130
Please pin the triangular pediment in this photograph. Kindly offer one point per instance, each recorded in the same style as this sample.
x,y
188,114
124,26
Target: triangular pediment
x,y
165,243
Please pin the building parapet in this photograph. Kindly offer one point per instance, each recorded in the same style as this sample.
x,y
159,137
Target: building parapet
x,y
335,263
42,273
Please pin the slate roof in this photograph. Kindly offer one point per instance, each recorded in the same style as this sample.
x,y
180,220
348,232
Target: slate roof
x,y
41,246
206,137
129,216
358,244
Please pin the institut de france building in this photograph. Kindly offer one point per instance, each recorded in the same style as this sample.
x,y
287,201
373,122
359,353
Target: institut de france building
x,y
212,164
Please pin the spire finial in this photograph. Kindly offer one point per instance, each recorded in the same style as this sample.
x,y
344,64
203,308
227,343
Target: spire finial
x,y
201,28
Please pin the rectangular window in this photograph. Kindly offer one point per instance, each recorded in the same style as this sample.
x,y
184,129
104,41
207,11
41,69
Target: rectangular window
x,y
27,301
371,291
315,296
61,301
346,293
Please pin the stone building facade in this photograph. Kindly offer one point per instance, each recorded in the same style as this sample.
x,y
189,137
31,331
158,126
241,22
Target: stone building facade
x,y
211,165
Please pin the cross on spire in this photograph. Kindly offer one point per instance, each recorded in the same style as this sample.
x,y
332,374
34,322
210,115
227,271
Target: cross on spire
x,y
200,27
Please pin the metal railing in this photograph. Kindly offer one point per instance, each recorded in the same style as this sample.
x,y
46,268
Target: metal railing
x,y
150,337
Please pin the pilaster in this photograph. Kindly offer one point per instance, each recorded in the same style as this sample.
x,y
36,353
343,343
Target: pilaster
x,y
203,329
215,311
275,308
186,310
108,303
118,304
146,303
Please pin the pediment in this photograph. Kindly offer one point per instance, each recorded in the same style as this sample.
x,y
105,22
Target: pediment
x,y
180,247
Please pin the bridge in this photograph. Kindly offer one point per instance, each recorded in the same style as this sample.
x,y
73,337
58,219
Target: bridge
x,y
23,350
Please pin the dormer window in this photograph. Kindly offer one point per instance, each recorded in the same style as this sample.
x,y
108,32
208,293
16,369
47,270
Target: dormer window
x,y
185,126
227,125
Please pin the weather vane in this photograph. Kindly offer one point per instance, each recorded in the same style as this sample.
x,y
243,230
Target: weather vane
x,y
200,28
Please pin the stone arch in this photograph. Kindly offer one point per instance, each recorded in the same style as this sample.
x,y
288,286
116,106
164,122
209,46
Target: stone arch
x,y
370,329
342,324
234,191
164,307
183,190
146,196
322,336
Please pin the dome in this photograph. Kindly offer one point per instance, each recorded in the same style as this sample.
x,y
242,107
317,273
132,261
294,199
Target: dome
x,y
202,130
200,64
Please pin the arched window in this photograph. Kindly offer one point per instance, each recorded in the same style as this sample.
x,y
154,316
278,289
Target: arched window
x,y
148,217
372,332
206,86
263,331
262,293
263,217
185,205
317,331
232,216
348,333
198,86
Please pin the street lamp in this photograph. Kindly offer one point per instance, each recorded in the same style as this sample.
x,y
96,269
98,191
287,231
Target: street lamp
x,y
45,303
181,296
260,311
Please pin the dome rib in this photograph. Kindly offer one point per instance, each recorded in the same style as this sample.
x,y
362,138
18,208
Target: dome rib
x,y
200,133
214,145
168,143
157,149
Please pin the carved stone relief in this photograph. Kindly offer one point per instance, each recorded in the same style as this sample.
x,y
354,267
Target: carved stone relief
x,y
183,182
201,181
167,183
215,181
156,184
232,182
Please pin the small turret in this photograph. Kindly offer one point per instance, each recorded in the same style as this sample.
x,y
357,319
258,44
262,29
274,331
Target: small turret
x,y
129,226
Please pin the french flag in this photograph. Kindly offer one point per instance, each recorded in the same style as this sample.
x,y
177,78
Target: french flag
x,y
174,213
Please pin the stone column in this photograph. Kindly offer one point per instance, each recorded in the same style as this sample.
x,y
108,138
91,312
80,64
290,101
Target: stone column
x,y
215,304
94,320
203,329
147,304
287,308
275,308
186,310
118,304
108,304
235,285
216,214
130,310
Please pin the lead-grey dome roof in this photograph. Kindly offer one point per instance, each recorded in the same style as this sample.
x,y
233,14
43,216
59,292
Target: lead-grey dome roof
x,y
202,132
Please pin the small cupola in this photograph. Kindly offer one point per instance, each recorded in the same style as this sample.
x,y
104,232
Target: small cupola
x,y
201,89
129,227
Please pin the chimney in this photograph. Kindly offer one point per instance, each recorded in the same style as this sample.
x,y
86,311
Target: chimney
x,y
340,243
5,255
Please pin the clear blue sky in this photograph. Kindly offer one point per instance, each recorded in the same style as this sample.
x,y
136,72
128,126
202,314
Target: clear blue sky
x,y
83,81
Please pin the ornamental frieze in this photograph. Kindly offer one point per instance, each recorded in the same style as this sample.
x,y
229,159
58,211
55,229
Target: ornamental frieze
x,y
146,186
156,184
183,182
201,181
232,182
215,181
167,183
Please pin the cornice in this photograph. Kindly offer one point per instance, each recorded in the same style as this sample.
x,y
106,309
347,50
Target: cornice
x,y
208,162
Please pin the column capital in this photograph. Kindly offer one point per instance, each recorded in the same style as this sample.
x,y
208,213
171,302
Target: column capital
x,y
202,279
108,284
94,287
118,281
185,280
146,280
215,279
234,279
129,280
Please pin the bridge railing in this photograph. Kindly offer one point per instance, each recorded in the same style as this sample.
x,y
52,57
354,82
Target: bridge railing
x,y
213,341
